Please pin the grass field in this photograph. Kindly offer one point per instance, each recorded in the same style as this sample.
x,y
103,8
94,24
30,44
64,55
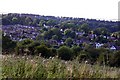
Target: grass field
x,y
38,67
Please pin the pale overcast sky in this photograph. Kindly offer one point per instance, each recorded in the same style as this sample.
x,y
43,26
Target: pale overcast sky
x,y
93,9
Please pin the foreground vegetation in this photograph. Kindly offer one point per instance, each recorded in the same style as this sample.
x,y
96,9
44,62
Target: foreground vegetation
x,y
38,67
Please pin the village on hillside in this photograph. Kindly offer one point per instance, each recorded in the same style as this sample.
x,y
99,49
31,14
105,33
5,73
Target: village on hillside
x,y
62,30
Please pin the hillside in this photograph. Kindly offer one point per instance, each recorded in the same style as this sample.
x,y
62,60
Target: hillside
x,y
58,29
66,37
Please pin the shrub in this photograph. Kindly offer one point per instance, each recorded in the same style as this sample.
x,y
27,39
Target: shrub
x,y
83,56
76,50
7,44
103,59
44,51
65,53
93,53
32,47
104,56
54,51
22,46
115,59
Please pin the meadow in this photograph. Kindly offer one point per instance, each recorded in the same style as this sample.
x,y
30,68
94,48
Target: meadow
x,y
38,67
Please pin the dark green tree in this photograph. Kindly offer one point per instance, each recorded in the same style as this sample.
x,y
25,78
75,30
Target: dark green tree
x,y
51,22
48,34
83,56
115,59
22,47
28,21
84,28
102,31
76,50
7,44
41,23
55,37
69,41
15,20
65,53
44,51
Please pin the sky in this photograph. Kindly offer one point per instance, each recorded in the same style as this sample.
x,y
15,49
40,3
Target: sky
x,y
92,9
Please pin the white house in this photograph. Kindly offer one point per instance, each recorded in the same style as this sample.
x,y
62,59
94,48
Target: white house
x,y
113,48
98,45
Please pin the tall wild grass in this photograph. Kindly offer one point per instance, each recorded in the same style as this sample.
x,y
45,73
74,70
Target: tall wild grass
x,y
38,67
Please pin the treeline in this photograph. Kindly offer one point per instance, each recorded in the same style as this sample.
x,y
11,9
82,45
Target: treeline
x,y
100,56
40,20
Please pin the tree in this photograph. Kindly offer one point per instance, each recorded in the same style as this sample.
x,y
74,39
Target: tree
x,y
44,51
76,50
48,34
22,47
93,54
104,56
7,44
32,46
15,20
55,37
65,53
85,27
67,24
101,39
35,22
69,41
115,59
83,56
73,34
69,33
41,23
51,22
57,32
101,31
28,21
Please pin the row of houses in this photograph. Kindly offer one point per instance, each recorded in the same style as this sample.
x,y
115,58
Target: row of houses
x,y
20,32
95,45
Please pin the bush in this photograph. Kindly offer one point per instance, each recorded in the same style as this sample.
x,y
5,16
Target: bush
x,y
54,51
7,44
76,50
32,47
93,53
65,53
103,59
23,46
115,59
44,51
104,56
83,56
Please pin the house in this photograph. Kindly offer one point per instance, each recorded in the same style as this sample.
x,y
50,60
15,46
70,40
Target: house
x,y
113,48
98,45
